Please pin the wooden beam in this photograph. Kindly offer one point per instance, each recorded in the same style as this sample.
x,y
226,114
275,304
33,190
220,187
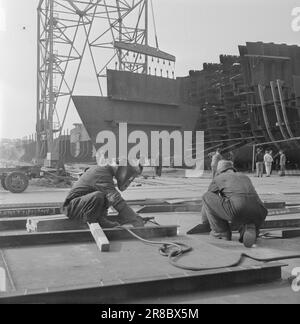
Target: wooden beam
x,y
99,237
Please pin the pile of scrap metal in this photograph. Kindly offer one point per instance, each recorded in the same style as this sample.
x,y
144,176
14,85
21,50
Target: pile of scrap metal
x,y
250,99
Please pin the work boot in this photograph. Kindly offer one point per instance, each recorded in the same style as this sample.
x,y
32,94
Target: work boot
x,y
248,235
105,223
227,236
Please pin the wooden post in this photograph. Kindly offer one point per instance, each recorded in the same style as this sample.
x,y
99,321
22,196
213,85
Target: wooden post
x,y
100,237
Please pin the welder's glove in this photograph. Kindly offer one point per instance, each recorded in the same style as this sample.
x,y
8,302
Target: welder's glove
x,y
128,216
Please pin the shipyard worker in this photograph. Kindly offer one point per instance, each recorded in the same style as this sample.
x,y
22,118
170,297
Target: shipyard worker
x,y
215,160
92,195
268,159
231,197
282,163
259,159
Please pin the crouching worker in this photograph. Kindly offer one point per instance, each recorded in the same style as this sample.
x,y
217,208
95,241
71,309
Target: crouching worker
x,y
95,192
232,197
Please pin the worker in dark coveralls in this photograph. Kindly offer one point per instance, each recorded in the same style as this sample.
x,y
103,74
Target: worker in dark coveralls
x,y
95,192
232,197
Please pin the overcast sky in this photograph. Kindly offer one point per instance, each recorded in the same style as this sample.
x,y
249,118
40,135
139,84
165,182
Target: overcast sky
x,y
196,31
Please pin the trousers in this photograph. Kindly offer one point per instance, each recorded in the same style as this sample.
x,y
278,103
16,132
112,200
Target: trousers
x,y
259,169
89,208
268,168
219,212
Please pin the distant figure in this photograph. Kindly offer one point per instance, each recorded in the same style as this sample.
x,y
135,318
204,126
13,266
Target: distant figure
x,y
231,197
259,159
159,166
216,158
273,157
282,163
268,159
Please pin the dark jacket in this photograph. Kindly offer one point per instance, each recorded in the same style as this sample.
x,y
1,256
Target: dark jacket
x,y
259,157
240,198
97,179
282,160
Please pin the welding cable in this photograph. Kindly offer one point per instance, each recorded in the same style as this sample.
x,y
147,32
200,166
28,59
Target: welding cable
x,y
173,258
179,246
174,251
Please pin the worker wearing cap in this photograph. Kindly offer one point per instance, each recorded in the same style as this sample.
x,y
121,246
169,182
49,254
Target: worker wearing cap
x,y
92,195
232,197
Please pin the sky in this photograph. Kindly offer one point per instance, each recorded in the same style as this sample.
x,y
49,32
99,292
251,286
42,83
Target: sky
x,y
195,31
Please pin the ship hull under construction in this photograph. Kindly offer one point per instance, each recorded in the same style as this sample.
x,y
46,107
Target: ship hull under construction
x,y
242,101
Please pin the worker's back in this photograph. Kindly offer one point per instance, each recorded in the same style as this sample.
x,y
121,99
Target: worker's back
x,y
239,192
96,177
235,183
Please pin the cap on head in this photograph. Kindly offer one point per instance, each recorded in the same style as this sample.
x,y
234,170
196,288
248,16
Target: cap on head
x,y
224,166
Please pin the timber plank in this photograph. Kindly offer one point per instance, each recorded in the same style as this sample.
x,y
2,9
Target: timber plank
x,y
99,237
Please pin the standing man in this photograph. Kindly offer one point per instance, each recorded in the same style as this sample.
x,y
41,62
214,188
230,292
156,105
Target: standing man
x,y
268,159
216,158
92,195
159,166
259,159
282,163
231,197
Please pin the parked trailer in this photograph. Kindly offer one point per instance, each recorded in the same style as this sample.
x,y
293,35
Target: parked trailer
x,y
16,179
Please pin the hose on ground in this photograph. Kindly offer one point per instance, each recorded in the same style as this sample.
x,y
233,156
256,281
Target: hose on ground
x,y
175,250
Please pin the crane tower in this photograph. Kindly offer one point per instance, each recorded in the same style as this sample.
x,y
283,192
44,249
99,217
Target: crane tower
x,y
115,33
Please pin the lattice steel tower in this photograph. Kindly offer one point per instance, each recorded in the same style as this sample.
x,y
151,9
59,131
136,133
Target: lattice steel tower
x,y
116,35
